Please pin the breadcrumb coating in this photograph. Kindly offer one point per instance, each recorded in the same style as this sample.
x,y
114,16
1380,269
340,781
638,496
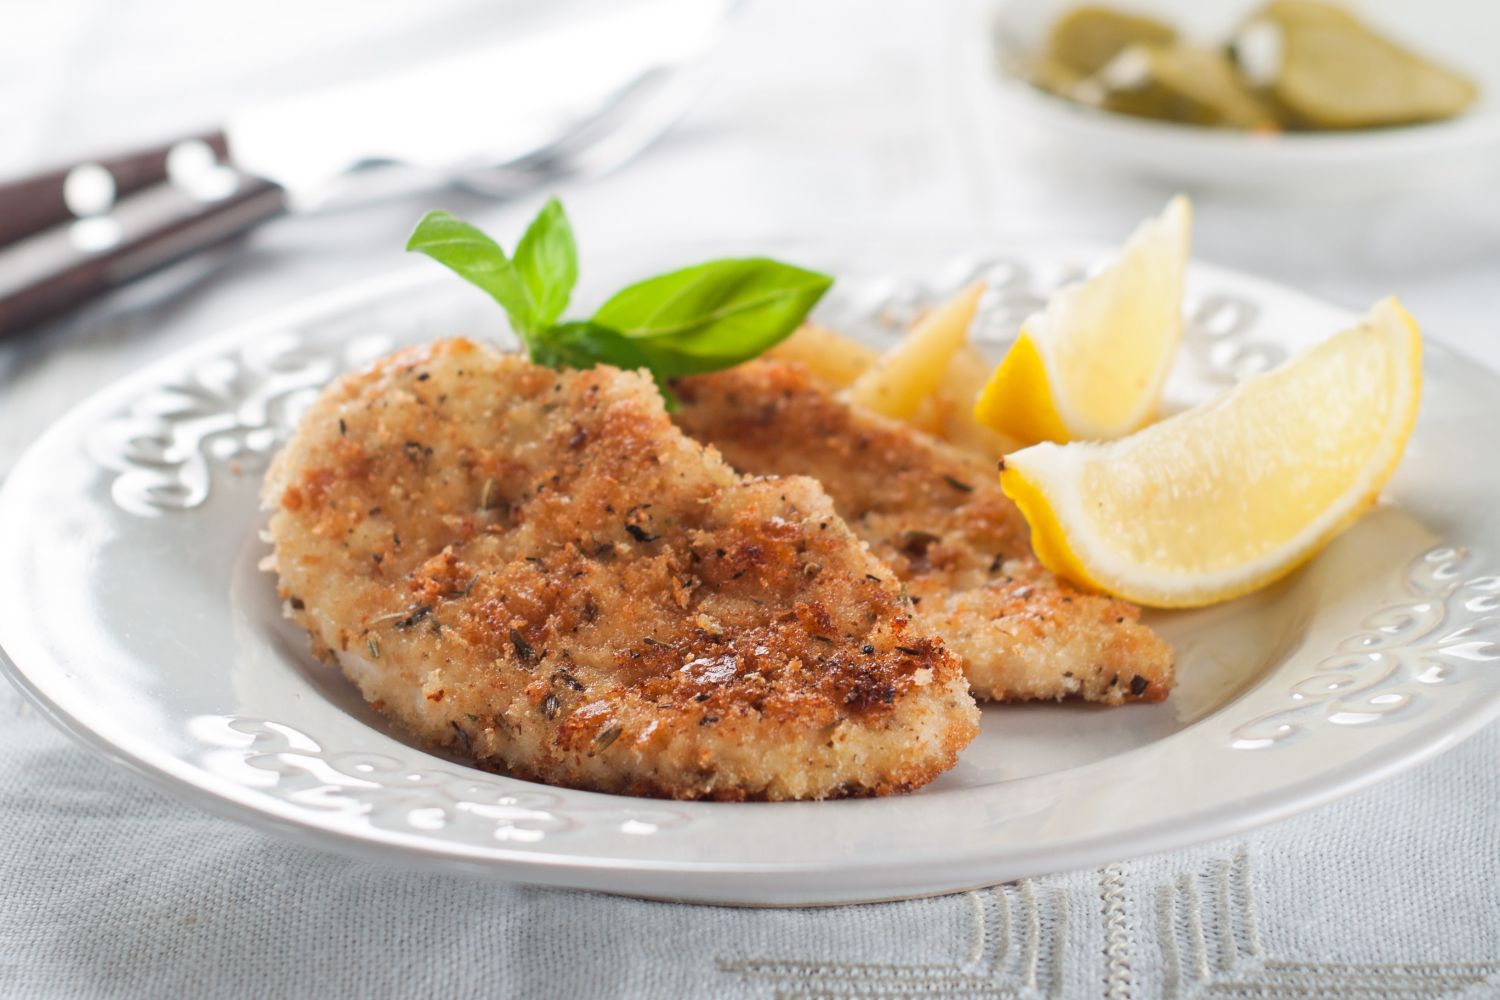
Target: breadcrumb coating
x,y
537,570
939,519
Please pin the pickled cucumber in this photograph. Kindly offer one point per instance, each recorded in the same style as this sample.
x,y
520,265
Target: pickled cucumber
x,y
1182,83
1323,69
1294,64
1085,39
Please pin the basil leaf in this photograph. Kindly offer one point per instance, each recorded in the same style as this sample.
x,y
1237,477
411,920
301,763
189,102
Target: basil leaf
x,y
585,344
668,364
715,314
479,260
698,319
547,259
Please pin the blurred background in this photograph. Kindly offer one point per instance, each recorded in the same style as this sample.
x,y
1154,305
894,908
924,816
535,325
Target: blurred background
x,y
830,118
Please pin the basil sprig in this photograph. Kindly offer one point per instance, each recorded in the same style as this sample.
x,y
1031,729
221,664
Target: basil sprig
x,y
700,319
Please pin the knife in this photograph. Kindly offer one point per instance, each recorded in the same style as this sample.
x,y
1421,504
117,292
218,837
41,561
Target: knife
x,y
482,118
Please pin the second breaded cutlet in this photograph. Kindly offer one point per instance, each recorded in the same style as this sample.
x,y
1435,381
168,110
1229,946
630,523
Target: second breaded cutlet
x,y
939,519
536,569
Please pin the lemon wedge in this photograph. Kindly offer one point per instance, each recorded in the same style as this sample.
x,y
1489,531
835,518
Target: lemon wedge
x,y
911,372
1090,366
1224,498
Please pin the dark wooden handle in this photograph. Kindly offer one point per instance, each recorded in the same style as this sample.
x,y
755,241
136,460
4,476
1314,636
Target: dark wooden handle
x,y
31,204
62,266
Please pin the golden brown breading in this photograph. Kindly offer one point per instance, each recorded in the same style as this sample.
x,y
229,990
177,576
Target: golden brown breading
x,y
537,569
938,518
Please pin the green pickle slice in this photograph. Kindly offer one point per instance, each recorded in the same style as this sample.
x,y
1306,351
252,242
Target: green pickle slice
x,y
1323,69
1085,39
1182,83
1294,64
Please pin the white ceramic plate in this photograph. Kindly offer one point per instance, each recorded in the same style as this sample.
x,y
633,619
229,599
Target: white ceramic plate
x,y
1458,32
132,611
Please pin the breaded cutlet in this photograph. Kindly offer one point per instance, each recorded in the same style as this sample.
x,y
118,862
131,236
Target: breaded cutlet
x,y
938,518
537,570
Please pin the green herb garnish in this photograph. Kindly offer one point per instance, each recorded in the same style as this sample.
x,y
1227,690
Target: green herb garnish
x,y
700,319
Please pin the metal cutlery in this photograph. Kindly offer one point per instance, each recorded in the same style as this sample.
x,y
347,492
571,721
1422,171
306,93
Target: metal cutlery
x,y
578,98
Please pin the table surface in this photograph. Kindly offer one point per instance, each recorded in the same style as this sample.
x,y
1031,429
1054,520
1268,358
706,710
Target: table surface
x,y
840,117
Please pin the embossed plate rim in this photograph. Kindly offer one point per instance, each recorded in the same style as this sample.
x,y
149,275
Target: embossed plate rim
x,y
899,869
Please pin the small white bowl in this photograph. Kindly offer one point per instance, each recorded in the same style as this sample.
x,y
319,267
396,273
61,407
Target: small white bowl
x,y
1459,33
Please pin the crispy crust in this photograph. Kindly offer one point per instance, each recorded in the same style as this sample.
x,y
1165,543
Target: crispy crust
x,y
938,518
537,570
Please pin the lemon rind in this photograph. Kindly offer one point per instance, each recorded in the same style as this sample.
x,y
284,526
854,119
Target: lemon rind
x,y
1018,406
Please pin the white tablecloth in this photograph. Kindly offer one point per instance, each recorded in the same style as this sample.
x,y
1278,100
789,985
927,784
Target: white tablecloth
x,y
829,117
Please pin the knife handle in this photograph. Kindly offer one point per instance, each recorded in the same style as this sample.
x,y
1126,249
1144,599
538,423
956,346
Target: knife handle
x,y
30,204
50,271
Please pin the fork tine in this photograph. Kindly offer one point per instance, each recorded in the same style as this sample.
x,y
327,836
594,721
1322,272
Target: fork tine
x,y
626,113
